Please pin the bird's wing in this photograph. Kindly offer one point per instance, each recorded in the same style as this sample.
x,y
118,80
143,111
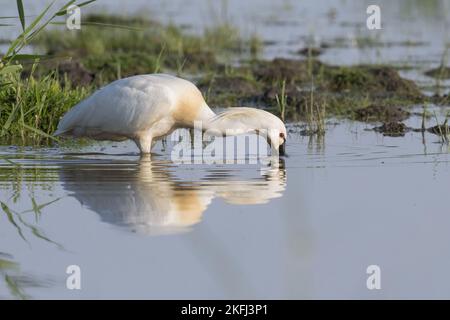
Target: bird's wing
x,y
123,107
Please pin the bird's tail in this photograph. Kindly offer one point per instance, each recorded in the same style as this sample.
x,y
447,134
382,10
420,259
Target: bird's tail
x,y
59,132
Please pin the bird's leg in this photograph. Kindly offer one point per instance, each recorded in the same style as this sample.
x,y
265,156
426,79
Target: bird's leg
x,y
144,143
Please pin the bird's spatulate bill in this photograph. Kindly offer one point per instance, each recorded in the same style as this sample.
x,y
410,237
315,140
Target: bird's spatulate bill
x,y
282,150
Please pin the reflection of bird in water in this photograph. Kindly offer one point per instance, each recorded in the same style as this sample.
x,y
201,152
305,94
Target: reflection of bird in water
x,y
269,185
151,198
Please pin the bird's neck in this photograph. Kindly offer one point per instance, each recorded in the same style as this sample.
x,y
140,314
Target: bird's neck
x,y
204,118
207,120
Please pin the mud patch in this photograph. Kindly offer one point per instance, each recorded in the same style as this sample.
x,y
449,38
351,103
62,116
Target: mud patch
x,y
76,73
441,100
342,90
392,129
442,130
375,81
439,73
288,70
229,91
381,113
310,51
68,72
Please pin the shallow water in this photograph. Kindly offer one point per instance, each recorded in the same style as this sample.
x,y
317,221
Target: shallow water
x,y
305,227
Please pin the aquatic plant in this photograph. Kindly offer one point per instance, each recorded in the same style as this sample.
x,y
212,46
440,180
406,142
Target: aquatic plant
x,y
10,61
30,108
9,268
442,130
281,101
315,114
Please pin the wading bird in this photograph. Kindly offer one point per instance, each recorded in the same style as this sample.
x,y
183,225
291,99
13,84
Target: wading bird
x,y
145,108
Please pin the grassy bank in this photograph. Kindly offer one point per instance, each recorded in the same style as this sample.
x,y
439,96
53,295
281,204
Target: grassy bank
x,y
116,46
31,108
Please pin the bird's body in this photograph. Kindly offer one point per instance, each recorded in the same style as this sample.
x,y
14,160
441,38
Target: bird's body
x,y
145,108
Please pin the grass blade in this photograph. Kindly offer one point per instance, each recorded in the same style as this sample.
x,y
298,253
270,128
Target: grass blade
x,y
36,232
14,288
63,10
39,207
7,264
9,214
21,39
21,13
12,162
25,57
10,69
4,84
40,132
85,3
9,120
100,24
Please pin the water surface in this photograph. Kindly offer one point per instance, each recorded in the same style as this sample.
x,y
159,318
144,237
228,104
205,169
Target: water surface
x,y
305,227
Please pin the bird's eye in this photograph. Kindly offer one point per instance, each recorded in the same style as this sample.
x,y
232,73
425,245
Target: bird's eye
x,y
282,135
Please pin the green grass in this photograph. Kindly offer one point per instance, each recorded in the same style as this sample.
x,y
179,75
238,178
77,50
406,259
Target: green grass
x,y
315,114
30,109
140,45
281,101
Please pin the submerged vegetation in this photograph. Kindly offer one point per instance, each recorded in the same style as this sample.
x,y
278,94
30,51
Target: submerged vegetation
x,y
9,269
18,181
223,63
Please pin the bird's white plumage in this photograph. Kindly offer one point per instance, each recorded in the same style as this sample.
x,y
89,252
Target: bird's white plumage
x,y
123,107
243,120
147,107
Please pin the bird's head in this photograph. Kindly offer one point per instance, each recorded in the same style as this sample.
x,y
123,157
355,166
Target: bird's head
x,y
273,128
276,136
276,133
240,120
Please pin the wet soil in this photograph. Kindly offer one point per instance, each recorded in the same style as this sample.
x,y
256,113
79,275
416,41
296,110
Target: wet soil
x,y
381,113
365,93
393,129
440,73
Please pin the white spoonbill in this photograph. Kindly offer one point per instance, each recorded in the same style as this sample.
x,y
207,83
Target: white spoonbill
x,y
145,108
